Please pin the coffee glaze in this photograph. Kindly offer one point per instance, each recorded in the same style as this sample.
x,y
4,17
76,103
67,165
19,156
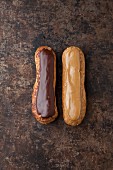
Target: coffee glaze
x,y
72,86
73,90
45,94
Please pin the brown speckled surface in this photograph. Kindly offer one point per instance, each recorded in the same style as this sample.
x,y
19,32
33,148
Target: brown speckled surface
x,y
25,25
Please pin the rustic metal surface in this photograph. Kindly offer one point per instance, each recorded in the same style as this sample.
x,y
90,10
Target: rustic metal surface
x,y
26,25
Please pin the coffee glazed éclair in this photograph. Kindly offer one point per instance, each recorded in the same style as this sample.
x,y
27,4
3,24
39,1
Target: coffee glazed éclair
x,y
43,97
73,90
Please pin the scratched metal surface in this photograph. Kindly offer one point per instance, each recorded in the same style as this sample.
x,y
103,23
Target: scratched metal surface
x,y
26,25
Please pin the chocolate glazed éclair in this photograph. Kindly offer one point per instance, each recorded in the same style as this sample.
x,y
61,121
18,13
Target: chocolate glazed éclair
x,y
44,106
45,95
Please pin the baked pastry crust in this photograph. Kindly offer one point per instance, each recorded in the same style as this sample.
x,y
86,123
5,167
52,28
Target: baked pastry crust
x,y
35,88
66,115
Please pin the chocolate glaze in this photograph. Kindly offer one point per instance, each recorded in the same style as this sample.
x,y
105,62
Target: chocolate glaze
x,y
45,94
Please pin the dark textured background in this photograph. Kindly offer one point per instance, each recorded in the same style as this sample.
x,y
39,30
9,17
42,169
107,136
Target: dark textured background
x,y
26,25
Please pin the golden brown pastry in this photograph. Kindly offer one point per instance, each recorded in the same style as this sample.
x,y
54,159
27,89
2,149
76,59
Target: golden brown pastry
x,y
43,97
73,90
